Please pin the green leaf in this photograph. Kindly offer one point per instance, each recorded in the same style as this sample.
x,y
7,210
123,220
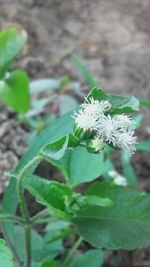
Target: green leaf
x,y
99,201
97,93
55,150
6,258
55,196
84,72
143,146
41,250
79,166
14,91
58,129
123,104
126,225
128,170
144,103
57,230
11,44
93,256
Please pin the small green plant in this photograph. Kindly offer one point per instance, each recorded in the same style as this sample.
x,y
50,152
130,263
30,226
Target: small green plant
x,y
14,85
109,215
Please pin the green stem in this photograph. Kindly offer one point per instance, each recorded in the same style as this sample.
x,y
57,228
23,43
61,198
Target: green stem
x,y
8,217
72,251
23,206
40,215
11,246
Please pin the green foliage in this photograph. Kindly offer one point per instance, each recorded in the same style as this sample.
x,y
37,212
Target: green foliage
x,y
107,215
55,196
94,256
123,226
42,250
85,73
143,146
11,44
79,166
14,91
6,258
14,87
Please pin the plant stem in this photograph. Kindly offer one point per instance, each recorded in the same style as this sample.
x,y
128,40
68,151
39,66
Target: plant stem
x,y
40,215
9,217
72,251
24,210
11,246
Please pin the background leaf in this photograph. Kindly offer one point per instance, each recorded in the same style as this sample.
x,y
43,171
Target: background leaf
x,y
11,43
85,73
143,145
14,91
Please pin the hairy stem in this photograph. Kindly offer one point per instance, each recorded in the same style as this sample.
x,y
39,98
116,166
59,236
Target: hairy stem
x,y
23,206
72,251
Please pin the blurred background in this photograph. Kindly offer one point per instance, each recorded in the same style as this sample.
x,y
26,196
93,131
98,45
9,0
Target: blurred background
x,y
111,37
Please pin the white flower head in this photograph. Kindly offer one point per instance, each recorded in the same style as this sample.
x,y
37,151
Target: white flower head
x,y
117,130
127,141
90,113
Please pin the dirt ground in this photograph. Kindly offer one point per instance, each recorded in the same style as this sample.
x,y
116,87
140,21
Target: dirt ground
x,y
112,37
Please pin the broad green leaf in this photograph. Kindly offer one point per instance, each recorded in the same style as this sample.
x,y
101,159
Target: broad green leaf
x,y
14,91
38,86
126,225
55,196
128,170
79,166
84,72
123,104
6,258
11,44
143,145
91,258
97,93
55,150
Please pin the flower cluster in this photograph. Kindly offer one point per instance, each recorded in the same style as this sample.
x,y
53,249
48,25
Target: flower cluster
x,y
116,130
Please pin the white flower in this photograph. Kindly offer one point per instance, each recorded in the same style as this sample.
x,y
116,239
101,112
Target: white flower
x,y
90,114
117,130
127,141
94,106
86,121
123,121
117,178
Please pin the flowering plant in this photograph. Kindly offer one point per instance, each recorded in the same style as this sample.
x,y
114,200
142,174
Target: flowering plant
x,y
110,214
